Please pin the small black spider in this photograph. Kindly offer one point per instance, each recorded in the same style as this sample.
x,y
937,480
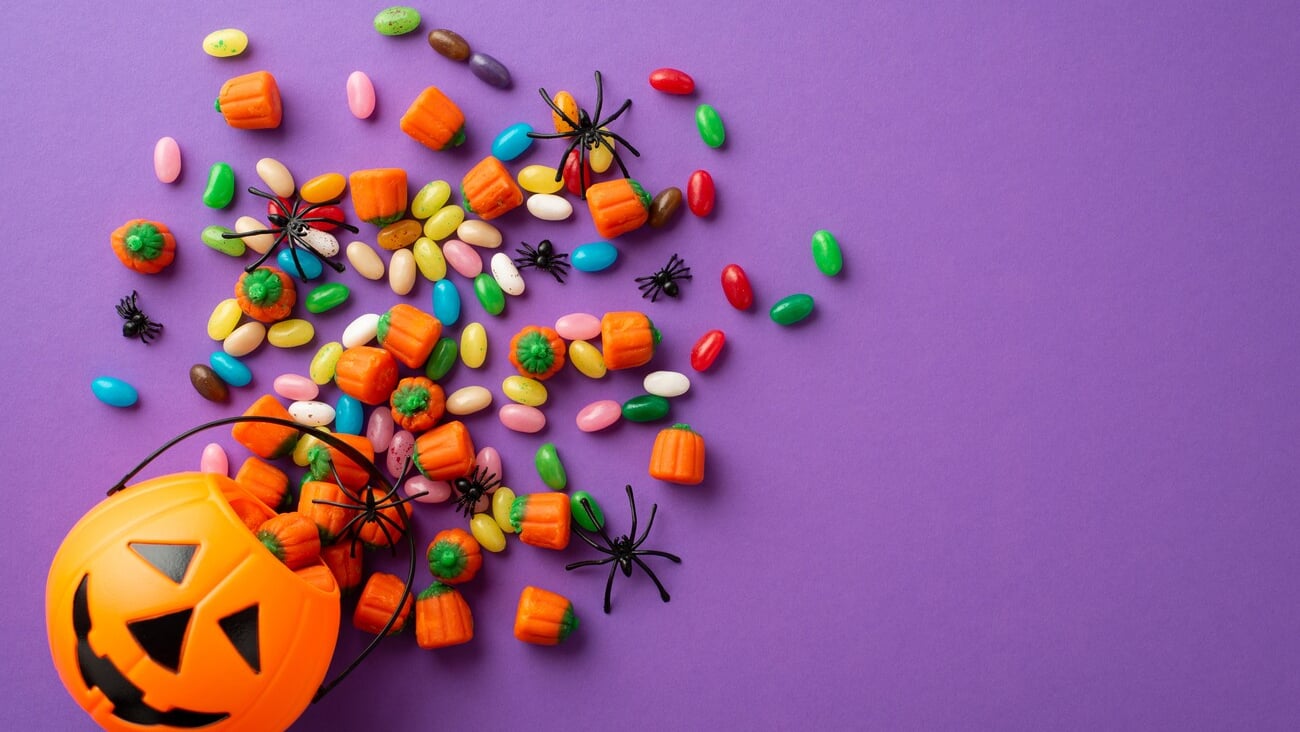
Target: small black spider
x,y
624,551
665,280
545,259
471,489
137,325
289,224
585,135
370,510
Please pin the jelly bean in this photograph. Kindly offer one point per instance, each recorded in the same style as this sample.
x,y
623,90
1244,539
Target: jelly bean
x,y
599,415
579,503
473,345
220,190
361,95
462,258
291,333
245,339
664,206
401,272
208,384
594,257
666,383
224,318
365,261
348,415
826,253
490,461
539,179
601,156
114,392
312,413
321,369
214,460
735,285
444,222
429,259
502,500
167,159
295,387
587,359
578,326
302,452
706,350
434,491
322,188
277,206
487,533
523,390
449,44
400,449
260,243
328,216
441,359
521,418
672,81
276,177
710,126
549,467
433,196
327,297
576,170
490,294
212,236
230,369
379,430
479,233
565,113
792,309
398,234
700,194
225,43
507,275
300,264
320,242
549,207
468,400
489,70
361,330
446,302
397,20
512,142
645,408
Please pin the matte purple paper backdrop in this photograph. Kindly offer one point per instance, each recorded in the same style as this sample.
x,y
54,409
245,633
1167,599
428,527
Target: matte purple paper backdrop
x,y
1032,465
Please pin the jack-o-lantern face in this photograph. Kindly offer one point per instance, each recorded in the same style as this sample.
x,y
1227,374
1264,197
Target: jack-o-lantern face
x,y
164,612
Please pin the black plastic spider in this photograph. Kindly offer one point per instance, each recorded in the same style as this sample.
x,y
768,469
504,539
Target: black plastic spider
x,y
624,551
471,489
290,224
585,135
545,259
137,325
370,510
665,280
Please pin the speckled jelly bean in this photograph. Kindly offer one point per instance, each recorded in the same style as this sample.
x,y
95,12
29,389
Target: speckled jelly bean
x,y
295,387
645,408
479,233
489,70
245,339
444,222
599,415
365,260
429,259
398,234
276,177
220,190
311,413
520,418
578,326
300,264
672,81
487,533
212,237
550,468
224,319
512,142
700,194
736,287
441,359
473,345
664,206
579,503
167,159
401,272
320,242
791,309
397,20
209,386
379,429
321,369
446,302
507,275
361,95
260,243
432,197
214,460
601,156
502,500
594,257
826,253
449,44
710,125
462,258
361,331
523,390
324,187
489,294
549,207
230,369
327,297
400,449
666,384
468,400
348,415
539,179
225,43
291,333
707,349
587,359
114,392
434,491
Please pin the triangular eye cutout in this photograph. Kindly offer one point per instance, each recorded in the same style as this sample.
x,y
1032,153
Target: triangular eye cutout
x,y
163,637
241,629
173,560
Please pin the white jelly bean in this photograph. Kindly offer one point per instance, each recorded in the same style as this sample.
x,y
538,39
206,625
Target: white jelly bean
x,y
521,418
598,415
468,400
167,160
245,339
401,271
479,233
321,242
506,274
365,261
260,243
399,451
214,460
361,331
666,383
578,327
435,491
379,430
312,414
295,387
276,177
549,207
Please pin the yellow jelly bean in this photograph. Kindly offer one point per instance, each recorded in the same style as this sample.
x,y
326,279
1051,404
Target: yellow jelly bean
x,y
587,359
601,157
431,197
225,316
323,188
526,391
473,345
324,362
291,333
501,502
429,259
539,179
225,43
442,224
300,451
487,532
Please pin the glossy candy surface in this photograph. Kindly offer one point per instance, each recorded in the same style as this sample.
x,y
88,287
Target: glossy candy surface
x,y
225,43
580,512
489,294
539,179
826,253
208,384
520,418
792,309
114,392
321,368
365,260
550,468
700,194
446,302
295,387
361,330
502,500
449,44
489,70
664,206
361,95
220,189
435,491
468,400
245,339
507,275
473,345
230,369
327,297
291,333
601,157
324,187
462,258
398,234
594,257
444,222
429,259
666,383
512,142
672,81
645,408
379,429
400,449
487,532
276,177
260,243
599,415
523,390
432,197
167,159
479,233
214,460
349,415
311,413
578,326
549,207
224,319
707,349
212,237
441,359
710,125
735,285
401,272
587,359
397,20
300,264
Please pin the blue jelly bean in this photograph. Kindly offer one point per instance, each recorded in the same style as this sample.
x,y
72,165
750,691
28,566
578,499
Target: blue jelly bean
x,y
347,416
446,302
512,142
114,392
595,256
311,265
230,369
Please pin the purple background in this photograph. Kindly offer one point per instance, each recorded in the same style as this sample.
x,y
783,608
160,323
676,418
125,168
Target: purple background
x,y
1033,464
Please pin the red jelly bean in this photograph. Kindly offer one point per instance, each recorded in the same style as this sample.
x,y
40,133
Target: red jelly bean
x,y
706,350
672,81
571,180
699,193
325,212
278,209
735,285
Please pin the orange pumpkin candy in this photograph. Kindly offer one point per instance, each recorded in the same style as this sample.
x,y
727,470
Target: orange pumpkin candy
x,y
262,438
382,532
627,340
434,121
417,404
543,617
315,500
144,246
265,481
542,519
442,618
409,334
292,538
454,556
678,456
445,452
379,195
266,294
251,101
537,351
366,374
489,190
344,562
379,602
326,462
618,206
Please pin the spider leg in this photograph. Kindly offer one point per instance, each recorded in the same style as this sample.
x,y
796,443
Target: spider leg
x,y
627,104
600,95
243,234
623,142
582,535
632,503
123,310
654,508
609,585
279,239
293,254
588,563
267,196
380,520
583,182
552,136
655,553
559,174
554,108
663,594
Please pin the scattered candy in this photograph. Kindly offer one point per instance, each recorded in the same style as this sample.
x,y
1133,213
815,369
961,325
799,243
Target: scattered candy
x,y
539,179
291,333
327,297
143,246
826,253
700,194
664,280
523,390
602,156
224,318
212,237
512,142
542,520
622,552
672,81
664,206
400,449
678,456
208,384
379,430
214,460
322,188
295,387
260,243
361,330
578,326
225,43
397,20
401,271
361,96
489,294
167,159
506,275
468,400
473,345
444,222
348,414
230,369
599,415
667,383
449,44
245,339
618,206
479,233
441,359
487,532
302,449
580,514
365,260
251,102
645,408
311,413
549,207
434,120
489,70
710,125
432,197
323,364
220,189
378,194
446,302
627,340
550,468
429,259
276,177
587,359
462,258
502,500
366,373
706,350
488,191
595,257
791,309
398,234
489,461
300,263
520,418
544,618
435,491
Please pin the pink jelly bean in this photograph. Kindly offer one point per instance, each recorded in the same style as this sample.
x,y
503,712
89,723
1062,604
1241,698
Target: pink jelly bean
x,y
521,418
490,461
295,387
435,491
399,450
167,160
379,430
598,415
578,326
361,95
462,258
214,460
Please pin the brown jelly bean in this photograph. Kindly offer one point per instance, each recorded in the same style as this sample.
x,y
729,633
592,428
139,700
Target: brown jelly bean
x,y
664,206
449,44
399,234
208,384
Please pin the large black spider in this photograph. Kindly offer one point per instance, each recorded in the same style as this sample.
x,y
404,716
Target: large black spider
x,y
370,510
289,224
471,489
544,258
665,280
624,551
585,135
137,325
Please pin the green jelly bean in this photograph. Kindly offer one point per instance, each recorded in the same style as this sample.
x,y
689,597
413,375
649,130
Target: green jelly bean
x,y
489,294
792,309
397,20
550,468
441,359
826,253
580,514
645,408
710,124
211,235
220,190
327,297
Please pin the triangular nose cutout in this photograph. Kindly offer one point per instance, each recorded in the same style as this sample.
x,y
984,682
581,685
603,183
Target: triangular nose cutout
x,y
173,560
163,637
242,630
